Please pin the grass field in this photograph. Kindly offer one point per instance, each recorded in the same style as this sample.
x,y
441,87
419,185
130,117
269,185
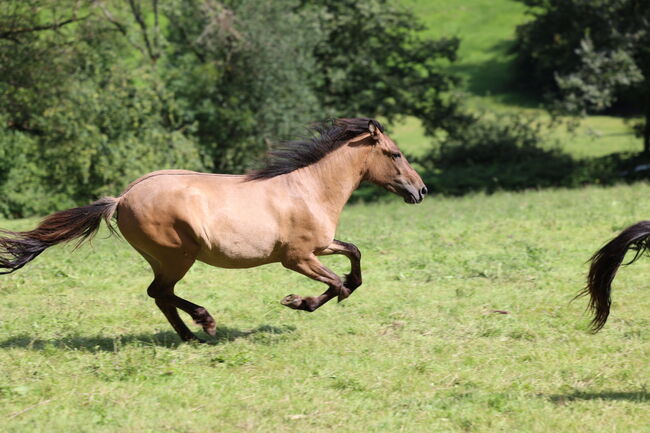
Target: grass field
x,y
486,29
418,348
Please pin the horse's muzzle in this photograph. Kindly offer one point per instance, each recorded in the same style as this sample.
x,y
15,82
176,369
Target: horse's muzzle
x,y
413,196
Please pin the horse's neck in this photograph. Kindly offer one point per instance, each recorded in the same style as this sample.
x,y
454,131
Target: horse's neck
x,y
332,180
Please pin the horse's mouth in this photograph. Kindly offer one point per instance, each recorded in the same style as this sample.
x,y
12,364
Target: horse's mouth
x,y
410,195
411,199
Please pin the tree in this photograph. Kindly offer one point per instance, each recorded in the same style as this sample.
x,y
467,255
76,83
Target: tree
x,y
373,61
244,73
586,55
95,93
79,117
250,72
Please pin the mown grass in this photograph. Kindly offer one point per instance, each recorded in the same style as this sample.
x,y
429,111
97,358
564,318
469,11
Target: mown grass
x,y
418,348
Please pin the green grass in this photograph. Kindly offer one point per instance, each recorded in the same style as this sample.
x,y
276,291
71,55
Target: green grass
x,y
417,348
486,29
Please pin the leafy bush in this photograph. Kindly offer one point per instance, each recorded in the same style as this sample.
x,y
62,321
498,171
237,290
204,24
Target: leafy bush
x,y
76,122
502,151
96,94
586,55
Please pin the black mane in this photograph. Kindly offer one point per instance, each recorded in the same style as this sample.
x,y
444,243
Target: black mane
x,y
330,135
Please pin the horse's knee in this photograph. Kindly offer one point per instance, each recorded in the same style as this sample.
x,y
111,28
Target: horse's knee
x,y
352,281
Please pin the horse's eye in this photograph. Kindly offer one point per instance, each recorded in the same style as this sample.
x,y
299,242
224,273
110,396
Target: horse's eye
x,y
395,155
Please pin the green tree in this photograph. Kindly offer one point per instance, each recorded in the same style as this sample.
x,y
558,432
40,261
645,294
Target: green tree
x,y
96,93
586,55
373,61
244,73
79,120
250,72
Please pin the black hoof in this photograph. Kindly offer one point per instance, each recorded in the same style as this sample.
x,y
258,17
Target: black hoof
x,y
344,292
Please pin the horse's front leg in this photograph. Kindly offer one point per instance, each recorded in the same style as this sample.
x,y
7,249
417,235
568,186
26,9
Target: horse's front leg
x,y
314,269
353,279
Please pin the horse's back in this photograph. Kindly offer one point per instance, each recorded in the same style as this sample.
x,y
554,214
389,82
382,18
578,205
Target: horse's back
x,y
223,220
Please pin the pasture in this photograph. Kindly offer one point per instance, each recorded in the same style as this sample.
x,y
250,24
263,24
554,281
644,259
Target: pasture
x,y
464,323
417,348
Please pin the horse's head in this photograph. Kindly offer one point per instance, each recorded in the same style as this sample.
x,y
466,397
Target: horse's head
x,y
388,168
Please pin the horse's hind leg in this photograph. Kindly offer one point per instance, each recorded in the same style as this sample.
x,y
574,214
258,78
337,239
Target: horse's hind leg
x,y
167,274
155,290
168,302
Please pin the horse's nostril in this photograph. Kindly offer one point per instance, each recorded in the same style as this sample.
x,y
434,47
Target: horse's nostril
x,y
424,190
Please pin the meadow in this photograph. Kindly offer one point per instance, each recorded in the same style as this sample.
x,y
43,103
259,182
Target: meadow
x,y
465,321
420,347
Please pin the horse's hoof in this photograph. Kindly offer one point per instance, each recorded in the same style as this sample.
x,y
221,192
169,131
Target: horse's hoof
x,y
209,326
344,293
211,330
205,320
292,301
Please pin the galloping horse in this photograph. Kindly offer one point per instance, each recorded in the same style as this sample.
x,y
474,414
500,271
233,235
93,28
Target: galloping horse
x,y
285,212
604,265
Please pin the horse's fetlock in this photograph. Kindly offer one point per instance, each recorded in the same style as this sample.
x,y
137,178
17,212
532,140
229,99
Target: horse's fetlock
x,y
352,281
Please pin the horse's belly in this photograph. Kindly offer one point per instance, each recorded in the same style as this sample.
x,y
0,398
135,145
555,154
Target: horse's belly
x,y
240,247
239,257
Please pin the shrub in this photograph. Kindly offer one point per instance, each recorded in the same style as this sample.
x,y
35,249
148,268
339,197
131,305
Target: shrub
x,y
502,151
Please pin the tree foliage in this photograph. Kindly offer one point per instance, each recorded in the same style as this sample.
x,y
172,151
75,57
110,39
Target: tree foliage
x,y
372,61
78,120
586,55
95,93
244,73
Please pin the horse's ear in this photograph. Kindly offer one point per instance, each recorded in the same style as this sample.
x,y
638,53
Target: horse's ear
x,y
374,131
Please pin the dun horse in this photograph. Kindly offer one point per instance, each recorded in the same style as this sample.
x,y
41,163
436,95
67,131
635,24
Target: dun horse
x,y
285,212
604,265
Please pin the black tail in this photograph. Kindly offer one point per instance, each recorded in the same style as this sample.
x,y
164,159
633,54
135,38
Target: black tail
x,y
604,264
19,248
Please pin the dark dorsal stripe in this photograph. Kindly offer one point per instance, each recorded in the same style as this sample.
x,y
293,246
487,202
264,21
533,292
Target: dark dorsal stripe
x,y
328,136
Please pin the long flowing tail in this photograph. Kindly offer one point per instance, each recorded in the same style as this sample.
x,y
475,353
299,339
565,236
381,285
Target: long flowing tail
x,y
604,265
19,248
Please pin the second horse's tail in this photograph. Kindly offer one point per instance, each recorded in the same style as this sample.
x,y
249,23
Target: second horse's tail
x,y
604,264
19,248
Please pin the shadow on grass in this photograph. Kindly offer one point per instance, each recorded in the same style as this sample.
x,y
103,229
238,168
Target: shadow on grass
x,y
167,339
640,396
